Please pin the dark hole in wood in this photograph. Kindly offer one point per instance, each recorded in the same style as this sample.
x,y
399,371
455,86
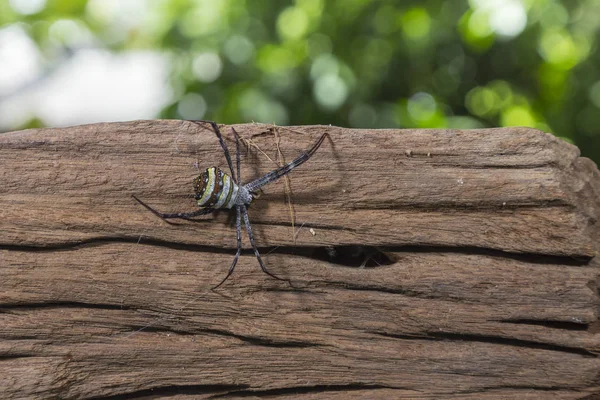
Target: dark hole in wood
x,y
353,256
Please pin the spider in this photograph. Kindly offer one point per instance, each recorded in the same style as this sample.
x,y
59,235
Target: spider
x,y
215,189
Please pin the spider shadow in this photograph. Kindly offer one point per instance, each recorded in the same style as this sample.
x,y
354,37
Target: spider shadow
x,y
212,218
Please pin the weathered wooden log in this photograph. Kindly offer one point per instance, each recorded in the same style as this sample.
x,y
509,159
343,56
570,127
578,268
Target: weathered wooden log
x,y
424,264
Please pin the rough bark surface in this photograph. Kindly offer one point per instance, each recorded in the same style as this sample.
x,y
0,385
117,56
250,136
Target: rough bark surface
x,y
427,264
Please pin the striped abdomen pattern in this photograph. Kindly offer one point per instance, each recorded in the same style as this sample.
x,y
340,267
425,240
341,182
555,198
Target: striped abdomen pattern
x,y
215,189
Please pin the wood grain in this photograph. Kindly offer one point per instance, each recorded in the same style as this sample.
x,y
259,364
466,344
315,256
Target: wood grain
x,y
480,246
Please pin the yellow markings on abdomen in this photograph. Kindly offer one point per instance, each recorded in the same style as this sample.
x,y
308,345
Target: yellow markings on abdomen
x,y
215,189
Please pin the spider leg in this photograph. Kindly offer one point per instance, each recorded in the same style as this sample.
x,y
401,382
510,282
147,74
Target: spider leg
x,y
215,128
238,224
237,155
251,237
188,215
286,169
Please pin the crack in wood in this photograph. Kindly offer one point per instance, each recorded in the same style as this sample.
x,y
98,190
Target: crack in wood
x,y
258,341
498,340
308,390
7,307
316,252
254,340
491,166
376,288
564,325
533,258
496,205
173,390
15,356
528,388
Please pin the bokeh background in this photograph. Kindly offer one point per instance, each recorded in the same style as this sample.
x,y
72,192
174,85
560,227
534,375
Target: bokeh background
x,y
354,63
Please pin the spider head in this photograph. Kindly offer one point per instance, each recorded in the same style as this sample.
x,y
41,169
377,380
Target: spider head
x,y
256,193
252,195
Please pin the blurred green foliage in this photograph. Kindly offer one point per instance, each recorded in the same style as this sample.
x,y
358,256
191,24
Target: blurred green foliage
x,y
358,63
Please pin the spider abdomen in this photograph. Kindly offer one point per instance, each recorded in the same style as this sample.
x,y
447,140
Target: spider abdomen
x,y
215,189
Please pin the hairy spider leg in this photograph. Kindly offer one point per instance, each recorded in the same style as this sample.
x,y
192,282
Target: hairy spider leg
x,y
238,215
215,128
237,155
256,253
286,169
239,211
187,215
238,225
